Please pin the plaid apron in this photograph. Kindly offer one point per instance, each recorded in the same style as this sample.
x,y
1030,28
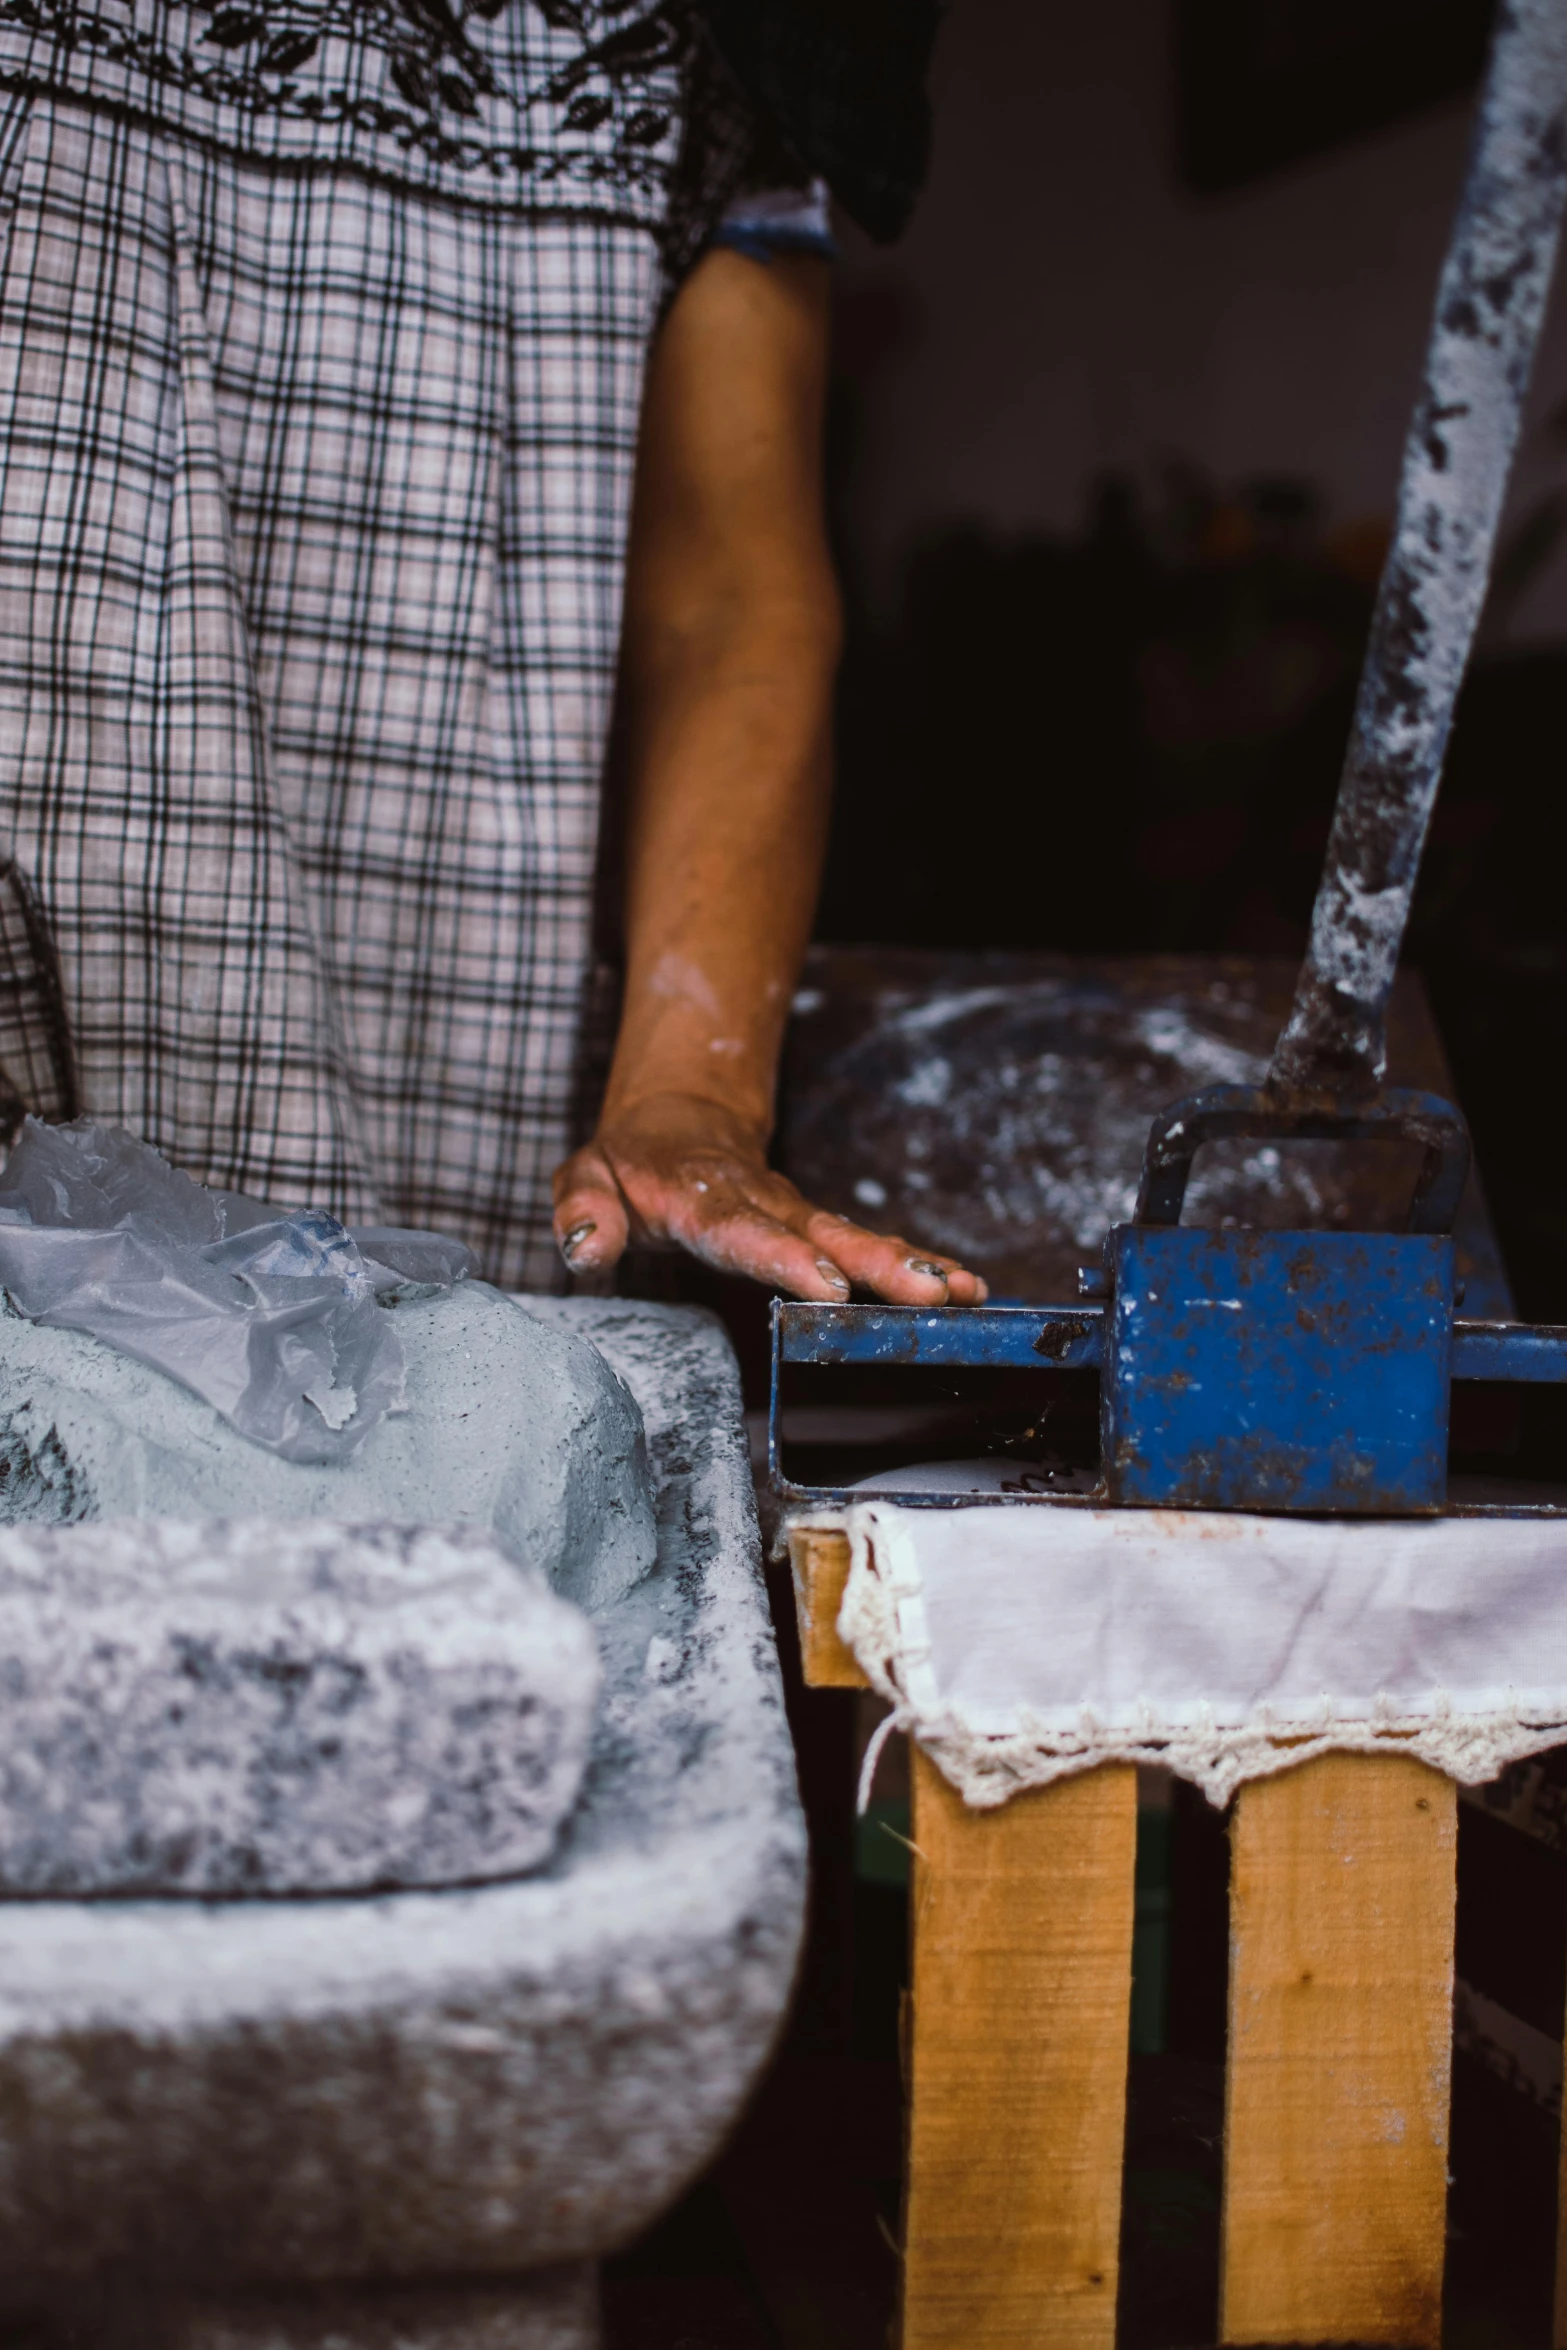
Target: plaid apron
x,y
313,509
322,341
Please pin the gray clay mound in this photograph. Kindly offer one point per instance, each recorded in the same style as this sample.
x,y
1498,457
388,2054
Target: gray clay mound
x,y
247,1707
510,1426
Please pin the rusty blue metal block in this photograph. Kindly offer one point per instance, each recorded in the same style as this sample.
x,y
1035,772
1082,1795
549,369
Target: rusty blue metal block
x,y
1299,1371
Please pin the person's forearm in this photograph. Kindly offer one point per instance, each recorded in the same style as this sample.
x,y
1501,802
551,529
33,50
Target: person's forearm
x,y
731,639
726,825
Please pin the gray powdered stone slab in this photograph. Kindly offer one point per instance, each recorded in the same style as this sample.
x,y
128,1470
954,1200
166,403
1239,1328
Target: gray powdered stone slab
x,y
280,1706
539,2309
449,2083
512,1424
553,2309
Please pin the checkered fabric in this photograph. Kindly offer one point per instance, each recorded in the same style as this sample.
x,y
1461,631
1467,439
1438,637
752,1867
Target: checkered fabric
x,y
523,102
313,507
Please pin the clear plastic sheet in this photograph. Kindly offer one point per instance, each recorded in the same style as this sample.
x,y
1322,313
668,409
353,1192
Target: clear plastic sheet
x,y
274,1316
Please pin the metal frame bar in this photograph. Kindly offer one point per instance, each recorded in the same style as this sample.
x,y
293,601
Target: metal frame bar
x,y
1069,1338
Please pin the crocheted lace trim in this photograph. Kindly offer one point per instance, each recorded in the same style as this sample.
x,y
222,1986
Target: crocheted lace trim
x,y
882,1620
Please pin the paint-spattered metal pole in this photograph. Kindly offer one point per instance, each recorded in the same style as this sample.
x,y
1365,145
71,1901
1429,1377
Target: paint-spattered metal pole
x,y
1488,310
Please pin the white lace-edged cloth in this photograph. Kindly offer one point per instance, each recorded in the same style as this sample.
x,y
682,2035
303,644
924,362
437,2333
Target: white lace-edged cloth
x,y
1019,1645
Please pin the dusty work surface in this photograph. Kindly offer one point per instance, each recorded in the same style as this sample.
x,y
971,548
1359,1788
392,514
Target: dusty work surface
x,y
465,2080
997,1105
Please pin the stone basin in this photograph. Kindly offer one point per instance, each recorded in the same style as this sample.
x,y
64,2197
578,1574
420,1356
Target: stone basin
x,y
418,2118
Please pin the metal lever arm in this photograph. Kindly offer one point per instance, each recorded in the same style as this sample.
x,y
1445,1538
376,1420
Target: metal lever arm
x,y
1456,461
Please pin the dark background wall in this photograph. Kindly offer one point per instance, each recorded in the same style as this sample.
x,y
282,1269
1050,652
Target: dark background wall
x,y
1065,304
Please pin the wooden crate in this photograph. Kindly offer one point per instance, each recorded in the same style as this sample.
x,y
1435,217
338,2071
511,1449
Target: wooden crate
x,y
1340,2002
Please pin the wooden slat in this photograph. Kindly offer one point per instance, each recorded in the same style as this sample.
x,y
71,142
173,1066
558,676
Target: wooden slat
x,y
1022,1929
1341,1979
820,1565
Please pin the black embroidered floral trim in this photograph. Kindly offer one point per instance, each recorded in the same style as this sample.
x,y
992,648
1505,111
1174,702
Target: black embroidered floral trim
x,y
248,56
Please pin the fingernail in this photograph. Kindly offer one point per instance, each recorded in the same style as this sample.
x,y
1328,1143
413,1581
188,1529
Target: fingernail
x,y
924,1265
575,1238
830,1273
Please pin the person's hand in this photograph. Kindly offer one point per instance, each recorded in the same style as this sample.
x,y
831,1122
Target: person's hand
x,y
675,1167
